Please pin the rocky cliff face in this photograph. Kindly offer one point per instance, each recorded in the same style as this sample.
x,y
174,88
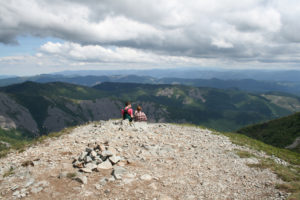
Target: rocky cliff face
x,y
116,160
13,115
80,112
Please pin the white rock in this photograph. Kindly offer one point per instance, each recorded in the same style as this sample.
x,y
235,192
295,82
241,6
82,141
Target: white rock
x,y
106,153
88,159
36,189
118,172
146,177
153,186
93,154
105,165
91,166
83,155
86,170
16,193
114,159
29,182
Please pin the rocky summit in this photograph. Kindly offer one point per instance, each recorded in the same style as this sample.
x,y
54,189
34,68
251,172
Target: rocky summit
x,y
117,160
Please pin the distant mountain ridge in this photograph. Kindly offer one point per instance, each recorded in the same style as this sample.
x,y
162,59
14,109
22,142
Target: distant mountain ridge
x,y
193,73
250,85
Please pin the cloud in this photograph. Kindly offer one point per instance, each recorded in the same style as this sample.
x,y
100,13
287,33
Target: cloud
x,y
255,31
97,54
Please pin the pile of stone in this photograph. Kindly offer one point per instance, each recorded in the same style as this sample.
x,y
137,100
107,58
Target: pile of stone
x,y
97,157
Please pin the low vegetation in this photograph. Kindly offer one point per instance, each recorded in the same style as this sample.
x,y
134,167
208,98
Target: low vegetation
x,y
290,173
9,172
14,140
280,132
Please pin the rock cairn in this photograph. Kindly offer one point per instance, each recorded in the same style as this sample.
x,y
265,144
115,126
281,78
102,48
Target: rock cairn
x,y
97,157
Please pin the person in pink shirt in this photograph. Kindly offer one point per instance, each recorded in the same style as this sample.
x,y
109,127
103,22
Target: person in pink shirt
x,y
127,112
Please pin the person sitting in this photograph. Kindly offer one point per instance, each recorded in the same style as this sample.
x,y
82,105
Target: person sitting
x,y
139,116
127,112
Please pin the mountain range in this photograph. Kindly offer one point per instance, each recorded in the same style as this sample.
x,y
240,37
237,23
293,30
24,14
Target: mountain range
x,y
40,108
250,85
193,73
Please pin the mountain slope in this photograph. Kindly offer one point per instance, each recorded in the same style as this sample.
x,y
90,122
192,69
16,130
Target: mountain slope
x,y
219,109
282,132
158,161
43,108
54,106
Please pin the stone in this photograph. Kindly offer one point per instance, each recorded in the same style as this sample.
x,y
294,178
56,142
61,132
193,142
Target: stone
x,y
86,170
82,156
102,147
112,150
121,163
130,175
98,160
118,172
42,183
104,165
36,189
153,186
29,182
98,186
93,154
22,195
13,188
62,175
146,177
114,159
16,193
78,164
111,179
88,159
106,153
103,181
91,166
88,150
81,179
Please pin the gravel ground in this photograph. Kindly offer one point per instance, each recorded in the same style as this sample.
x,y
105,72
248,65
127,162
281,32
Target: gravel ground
x,y
159,161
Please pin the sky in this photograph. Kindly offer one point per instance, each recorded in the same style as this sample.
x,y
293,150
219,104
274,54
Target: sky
x,y
45,36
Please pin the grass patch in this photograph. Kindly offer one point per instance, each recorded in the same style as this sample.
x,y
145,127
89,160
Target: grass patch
x,y
290,174
284,154
244,154
71,175
20,143
9,172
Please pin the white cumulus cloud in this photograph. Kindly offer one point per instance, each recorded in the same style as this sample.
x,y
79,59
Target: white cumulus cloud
x,y
144,31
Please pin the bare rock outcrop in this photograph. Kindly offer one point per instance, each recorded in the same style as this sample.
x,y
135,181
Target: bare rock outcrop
x,y
13,115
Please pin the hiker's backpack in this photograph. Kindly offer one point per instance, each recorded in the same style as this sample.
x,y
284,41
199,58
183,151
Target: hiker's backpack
x,y
126,115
